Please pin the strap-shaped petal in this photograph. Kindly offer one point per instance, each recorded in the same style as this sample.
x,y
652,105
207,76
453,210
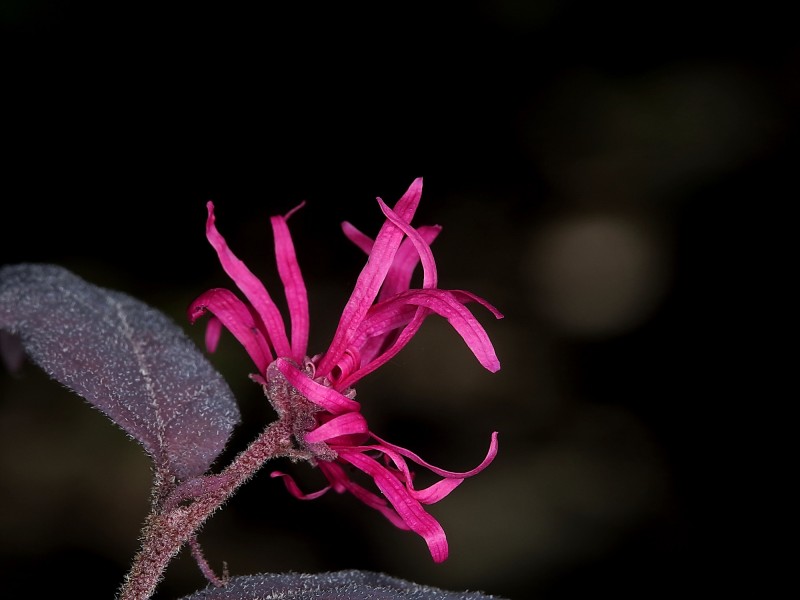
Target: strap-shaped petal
x,y
398,279
294,489
341,482
250,286
293,284
237,318
440,489
387,448
443,302
346,424
409,509
328,398
371,278
429,275
362,240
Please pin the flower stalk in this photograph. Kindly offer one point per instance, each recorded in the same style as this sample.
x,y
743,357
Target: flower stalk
x,y
175,521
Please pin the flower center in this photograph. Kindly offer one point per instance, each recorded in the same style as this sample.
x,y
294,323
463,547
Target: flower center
x,y
301,414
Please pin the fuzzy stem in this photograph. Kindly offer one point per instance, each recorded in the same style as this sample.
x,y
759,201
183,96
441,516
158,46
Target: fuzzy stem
x,y
206,568
167,529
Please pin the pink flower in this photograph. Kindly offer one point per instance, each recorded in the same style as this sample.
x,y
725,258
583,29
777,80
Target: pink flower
x,y
316,393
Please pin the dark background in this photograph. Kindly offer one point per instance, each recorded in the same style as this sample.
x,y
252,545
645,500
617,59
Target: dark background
x,y
605,174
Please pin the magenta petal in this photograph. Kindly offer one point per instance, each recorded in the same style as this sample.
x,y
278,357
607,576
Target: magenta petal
x,y
342,483
465,297
213,333
490,456
363,241
439,490
346,424
384,356
398,279
445,304
295,490
428,495
292,279
371,278
409,509
250,286
237,319
375,333
423,249
328,398
449,304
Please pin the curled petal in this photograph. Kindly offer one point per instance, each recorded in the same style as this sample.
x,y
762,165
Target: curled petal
x,y
490,456
347,424
430,277
237,318
409,509
437,491
398,279
250,286
349,361
334,402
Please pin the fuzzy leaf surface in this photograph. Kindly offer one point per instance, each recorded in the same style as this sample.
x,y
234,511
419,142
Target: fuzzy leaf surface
x,y
335,585
127,359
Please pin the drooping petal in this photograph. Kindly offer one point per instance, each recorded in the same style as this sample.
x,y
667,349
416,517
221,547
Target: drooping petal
x,y
490,456
334,402
465,297
250,286
443,302
342,483
439,490
237,319
371,278
294,489
409,509
428,495
292,279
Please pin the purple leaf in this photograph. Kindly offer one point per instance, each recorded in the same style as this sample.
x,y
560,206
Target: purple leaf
x,y
338,585
126,359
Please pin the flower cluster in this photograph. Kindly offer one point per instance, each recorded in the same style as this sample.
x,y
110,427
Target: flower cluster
x,y
316,392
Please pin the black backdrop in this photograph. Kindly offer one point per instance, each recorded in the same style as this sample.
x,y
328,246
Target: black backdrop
x,y
666,133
